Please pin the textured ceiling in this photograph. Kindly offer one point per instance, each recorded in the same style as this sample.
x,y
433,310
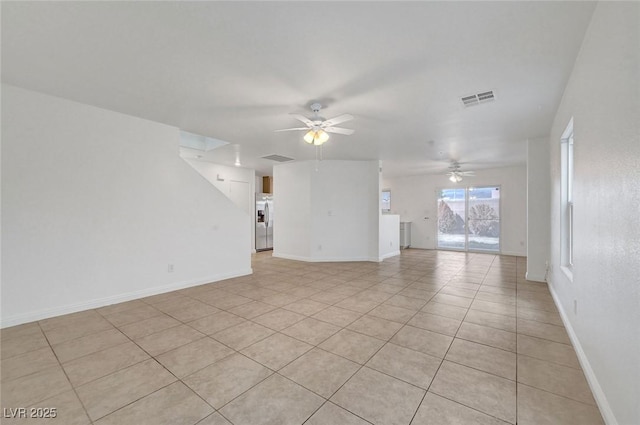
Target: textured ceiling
x,y
234,71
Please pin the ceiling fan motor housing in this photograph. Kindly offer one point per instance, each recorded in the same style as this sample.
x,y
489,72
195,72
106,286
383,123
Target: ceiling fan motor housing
x,y
320,125
317,119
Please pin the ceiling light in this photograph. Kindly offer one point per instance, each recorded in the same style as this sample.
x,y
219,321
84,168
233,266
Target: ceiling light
x,y
316,137
237,163
455,177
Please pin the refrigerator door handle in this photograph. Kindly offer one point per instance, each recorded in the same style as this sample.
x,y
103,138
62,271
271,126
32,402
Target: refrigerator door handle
x,y
266,214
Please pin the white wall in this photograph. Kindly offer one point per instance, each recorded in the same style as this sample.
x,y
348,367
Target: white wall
x,y
415,199
292,204
538,231
237,183
331,210
603,97
258,184
97,204
389,243
345,207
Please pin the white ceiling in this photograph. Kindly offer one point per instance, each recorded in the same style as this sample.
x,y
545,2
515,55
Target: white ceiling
x,y
235,70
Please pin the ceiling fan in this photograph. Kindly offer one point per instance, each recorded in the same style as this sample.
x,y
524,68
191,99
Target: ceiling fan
x,y
455,174
318,128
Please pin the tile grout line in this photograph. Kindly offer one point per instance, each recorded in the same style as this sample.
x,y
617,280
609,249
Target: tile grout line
x,y
73,388
441,362
151,357
449,348
517,351
364,364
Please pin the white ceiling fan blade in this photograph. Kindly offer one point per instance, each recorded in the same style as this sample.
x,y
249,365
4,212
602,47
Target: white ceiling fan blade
x,y
337,120
339,130
292,129
302,118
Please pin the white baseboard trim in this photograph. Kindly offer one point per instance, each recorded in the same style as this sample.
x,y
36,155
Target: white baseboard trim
x,y
32,316
534,277
389,255
598,393
419,246
290,257
323,259
514,253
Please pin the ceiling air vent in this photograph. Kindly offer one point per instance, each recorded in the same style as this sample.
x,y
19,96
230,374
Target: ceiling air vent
x,y
278,158
476,99
470,100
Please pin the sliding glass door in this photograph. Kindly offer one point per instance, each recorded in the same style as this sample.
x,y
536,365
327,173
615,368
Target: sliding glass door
x,y
469,219
452,213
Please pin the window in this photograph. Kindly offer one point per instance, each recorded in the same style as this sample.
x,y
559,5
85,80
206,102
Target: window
x,y
386,201
566,158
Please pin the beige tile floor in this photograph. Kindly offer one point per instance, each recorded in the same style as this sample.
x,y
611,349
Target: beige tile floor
x,y
429,337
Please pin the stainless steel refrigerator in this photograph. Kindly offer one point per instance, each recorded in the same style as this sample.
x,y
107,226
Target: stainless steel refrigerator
x,y
264,221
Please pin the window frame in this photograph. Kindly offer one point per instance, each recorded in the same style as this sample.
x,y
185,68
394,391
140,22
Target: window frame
x,y
567,200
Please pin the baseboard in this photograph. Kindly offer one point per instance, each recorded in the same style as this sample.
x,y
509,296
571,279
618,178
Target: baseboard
x,y
19,319
324,259
419,246
513,253
388,255
596,389
290,257
534,277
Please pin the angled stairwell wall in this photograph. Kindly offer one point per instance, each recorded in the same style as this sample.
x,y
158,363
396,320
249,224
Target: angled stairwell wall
x,y
237,184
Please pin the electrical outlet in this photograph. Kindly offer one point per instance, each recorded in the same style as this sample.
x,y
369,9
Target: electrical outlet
x,y
170,268
390,243
319,247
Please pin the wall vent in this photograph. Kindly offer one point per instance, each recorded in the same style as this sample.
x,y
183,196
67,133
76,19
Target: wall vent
x,y
278,158
478,98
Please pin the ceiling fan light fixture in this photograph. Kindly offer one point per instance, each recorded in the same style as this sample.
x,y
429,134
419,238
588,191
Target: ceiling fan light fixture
x,y
317,128
455,178
316,137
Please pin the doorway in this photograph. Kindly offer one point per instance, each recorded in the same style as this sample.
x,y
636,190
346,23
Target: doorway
x,y
469,219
